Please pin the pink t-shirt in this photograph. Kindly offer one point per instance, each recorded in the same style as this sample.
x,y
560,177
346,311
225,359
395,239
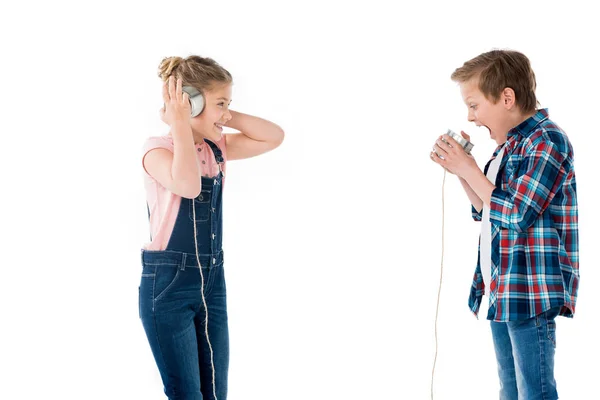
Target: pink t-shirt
x,y
163,204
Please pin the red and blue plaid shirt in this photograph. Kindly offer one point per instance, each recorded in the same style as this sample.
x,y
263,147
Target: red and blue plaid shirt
x,y
533,214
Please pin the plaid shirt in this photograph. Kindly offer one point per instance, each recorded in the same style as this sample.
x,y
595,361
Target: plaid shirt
x,y
533,214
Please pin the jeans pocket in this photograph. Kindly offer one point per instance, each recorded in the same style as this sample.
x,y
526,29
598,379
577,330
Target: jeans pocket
x,y
166,277
551,327
146,290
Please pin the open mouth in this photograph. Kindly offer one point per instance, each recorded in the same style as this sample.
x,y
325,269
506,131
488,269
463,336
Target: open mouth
x,y
219,126
486,127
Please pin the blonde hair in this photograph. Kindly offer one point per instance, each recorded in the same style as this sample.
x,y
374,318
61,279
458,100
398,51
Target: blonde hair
x,y
200,72
500,69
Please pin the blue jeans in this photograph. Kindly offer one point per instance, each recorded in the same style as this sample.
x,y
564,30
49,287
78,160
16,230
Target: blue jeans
x,y
173,317
525,356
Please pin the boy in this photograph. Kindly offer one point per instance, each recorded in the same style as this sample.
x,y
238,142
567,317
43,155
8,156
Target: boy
x,y
526,200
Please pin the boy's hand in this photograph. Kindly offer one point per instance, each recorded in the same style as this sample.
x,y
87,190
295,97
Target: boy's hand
x,y
451,156
464,134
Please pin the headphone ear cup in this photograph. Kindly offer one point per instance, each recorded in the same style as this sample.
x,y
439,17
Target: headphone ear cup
x,y
196,100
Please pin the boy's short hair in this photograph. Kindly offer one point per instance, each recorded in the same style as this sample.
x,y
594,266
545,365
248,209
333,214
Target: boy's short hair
x,y
497,70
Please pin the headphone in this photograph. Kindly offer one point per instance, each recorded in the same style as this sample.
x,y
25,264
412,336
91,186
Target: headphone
x,y
196,100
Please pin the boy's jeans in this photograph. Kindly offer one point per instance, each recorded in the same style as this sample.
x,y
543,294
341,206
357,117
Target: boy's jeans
x,y
525,355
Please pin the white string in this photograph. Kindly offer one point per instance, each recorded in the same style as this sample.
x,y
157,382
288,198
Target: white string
x,y
212,362
439,288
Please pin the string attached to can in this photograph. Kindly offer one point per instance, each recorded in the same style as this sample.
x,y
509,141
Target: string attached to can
x,y
467,147
439,289
212,362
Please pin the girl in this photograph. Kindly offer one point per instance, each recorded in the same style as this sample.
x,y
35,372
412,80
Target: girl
x,y
182,291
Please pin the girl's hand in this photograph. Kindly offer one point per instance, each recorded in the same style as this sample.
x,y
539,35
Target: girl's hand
x,y
177,108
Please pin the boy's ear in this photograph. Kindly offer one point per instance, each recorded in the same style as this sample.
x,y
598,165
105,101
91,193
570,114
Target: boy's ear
x,y
508,98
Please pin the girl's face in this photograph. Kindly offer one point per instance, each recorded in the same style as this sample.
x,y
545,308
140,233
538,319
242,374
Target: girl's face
x,y
209,124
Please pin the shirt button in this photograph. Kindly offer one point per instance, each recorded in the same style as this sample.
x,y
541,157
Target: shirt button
x,y
214,260
199,149
213,236
212,209
203,162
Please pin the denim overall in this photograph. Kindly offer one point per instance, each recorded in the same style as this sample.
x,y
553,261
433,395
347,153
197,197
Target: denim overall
x,y
171,307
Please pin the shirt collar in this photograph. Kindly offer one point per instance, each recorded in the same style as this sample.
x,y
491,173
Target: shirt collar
x,y
528,126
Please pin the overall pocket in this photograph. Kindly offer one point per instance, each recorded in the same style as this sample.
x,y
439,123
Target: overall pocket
x,y
201,204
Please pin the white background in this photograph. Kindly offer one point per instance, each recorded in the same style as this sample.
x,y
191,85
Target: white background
x,y
333,241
